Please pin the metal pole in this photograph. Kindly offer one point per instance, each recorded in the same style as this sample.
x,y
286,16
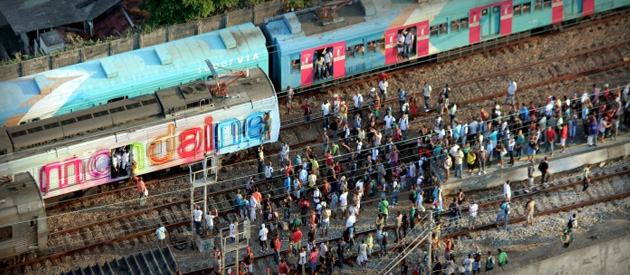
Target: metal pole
x,y
205,183
192,196
430,242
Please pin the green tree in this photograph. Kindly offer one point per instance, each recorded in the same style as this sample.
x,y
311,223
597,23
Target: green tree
x,y
166,12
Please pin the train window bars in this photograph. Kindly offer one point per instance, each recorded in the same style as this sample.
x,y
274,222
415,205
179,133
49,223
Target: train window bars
x,y
463,23
295,65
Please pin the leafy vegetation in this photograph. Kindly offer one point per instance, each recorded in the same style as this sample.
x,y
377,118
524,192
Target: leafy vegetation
x,y
168,12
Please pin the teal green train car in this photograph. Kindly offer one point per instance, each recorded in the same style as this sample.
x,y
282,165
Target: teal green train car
x,y
372,34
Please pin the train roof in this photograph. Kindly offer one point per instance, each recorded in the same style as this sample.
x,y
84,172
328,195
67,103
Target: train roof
x,y
357,18
133,73
128,115
296,31
19,198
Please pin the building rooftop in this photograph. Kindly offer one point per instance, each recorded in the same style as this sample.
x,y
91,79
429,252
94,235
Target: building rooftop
x,y
29,15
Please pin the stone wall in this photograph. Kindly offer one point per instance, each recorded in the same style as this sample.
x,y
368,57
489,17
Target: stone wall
x,y
255,14
572,158
611,257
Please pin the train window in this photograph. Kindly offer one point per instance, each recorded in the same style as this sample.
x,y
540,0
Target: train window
x,y
538,5
18,134
6,233
517,10
546,4
68,121
51,125
295,65
359,49
443,28
349,51
455,25
133,105
35,129
149,101
371,46
101,113
380,44
35,119
84,117
463,23
434,30
117,109
527,7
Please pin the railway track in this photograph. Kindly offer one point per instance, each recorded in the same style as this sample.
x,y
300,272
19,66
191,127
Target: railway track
x,y
175,208
606,186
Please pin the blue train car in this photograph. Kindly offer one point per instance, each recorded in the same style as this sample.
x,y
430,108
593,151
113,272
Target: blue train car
x,y
130,74
369,34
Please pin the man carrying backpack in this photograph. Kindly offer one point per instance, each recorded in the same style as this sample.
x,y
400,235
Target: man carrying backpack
x,y
505,211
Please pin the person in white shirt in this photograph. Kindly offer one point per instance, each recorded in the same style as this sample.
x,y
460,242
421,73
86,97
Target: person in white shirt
x,y
389,119
511,93
358,100
263,237
232,230
253,203
269,171
427,95
507,190
197,216
325,113
382,85
472,212
468,263
403,122
343,202
161,234
210,220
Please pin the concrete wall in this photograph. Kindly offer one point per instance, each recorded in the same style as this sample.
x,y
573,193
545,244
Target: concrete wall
x,y
255,14
572,158
611,257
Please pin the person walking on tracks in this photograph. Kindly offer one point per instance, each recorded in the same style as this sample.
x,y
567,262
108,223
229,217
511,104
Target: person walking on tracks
x,y
143,192
503,214
161,234
586,178
544,169
529,212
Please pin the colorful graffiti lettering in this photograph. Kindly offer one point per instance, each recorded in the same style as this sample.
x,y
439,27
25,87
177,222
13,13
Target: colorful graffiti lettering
x,y
183,144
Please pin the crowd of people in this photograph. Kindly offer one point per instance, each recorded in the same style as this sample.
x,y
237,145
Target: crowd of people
x,y
362,161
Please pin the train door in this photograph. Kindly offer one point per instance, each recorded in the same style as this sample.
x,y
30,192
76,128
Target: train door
x,y
323,63
556,11
490,21
572,7
406,42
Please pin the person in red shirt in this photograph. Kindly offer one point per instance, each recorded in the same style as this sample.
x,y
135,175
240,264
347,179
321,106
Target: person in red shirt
x,y
563,136
283,268
277,245
325,189
550,134
297,237
329,158
308,109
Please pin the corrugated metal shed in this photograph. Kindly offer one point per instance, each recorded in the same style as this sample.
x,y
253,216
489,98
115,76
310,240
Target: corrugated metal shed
x,y
25,16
